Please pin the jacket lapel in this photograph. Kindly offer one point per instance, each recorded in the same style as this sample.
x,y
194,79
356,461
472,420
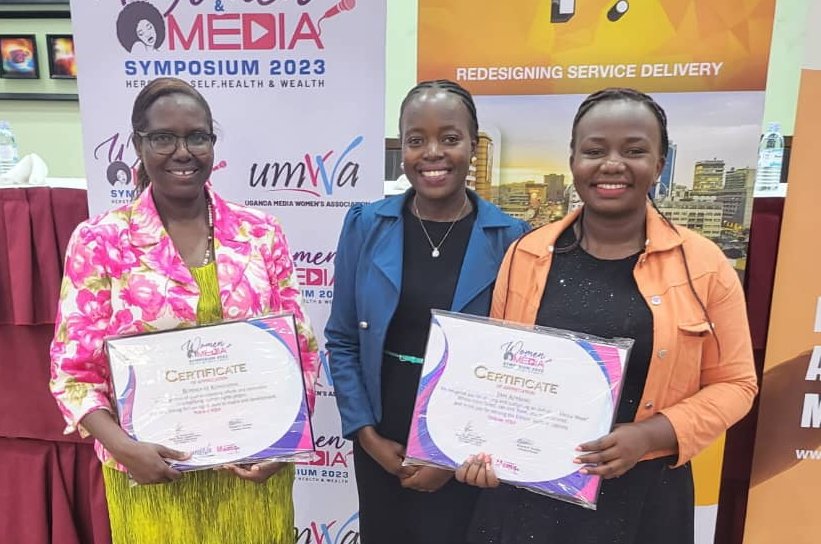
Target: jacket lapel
x,y
147,233
482,256
232,246
387,247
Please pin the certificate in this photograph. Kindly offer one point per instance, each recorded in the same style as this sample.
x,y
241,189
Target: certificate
x,y
224,393
528,396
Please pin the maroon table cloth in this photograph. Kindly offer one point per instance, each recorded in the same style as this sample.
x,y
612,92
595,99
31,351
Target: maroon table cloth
x,y
51,487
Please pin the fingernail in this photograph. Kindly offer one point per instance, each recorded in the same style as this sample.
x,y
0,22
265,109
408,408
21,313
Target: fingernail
x,y
578,448
584,471
577,461
470,459
487,466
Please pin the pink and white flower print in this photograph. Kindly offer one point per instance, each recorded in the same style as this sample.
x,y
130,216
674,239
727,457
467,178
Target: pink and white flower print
x,y
123,275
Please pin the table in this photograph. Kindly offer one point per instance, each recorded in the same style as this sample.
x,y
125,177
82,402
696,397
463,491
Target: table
x,y
51,487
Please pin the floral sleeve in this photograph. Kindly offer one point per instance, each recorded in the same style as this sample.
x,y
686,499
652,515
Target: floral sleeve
x,y
79,374
286,287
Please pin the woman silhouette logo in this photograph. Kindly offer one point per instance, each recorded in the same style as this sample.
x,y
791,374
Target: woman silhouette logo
x,y
118,173
140,25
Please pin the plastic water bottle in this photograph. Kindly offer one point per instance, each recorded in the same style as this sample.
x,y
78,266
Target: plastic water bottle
x,y
770,159
9,154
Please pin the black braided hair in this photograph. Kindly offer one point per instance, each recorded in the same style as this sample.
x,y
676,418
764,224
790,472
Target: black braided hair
x,y
450,87
622,93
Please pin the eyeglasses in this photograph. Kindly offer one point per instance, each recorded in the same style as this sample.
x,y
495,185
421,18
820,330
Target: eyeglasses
x,y
166,143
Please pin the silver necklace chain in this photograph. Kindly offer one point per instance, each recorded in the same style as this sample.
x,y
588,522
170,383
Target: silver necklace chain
x,y
435,247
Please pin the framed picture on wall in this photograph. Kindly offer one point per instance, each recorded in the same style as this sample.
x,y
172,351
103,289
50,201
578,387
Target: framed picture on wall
x,y
19,56
61,61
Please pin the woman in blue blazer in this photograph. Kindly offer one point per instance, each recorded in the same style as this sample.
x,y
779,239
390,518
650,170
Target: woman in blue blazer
x,y
437,246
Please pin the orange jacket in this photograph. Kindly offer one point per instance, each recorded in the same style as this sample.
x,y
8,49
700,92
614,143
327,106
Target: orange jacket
x,y
700,383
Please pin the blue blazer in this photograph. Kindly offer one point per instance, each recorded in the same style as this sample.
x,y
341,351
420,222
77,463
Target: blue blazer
x,y
368,278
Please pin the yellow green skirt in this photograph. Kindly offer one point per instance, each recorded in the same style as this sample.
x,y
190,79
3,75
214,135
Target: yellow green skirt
x,y
204,507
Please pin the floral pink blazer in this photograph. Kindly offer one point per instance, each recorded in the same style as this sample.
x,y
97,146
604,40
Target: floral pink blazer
x,y
123,275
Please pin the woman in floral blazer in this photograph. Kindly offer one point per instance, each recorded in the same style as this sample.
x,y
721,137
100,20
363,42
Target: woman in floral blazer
x,y
155,265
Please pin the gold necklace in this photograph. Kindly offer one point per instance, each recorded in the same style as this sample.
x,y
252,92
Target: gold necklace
x,y
435,247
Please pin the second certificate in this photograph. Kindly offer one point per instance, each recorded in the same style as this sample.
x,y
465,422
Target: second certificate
x,y
527,397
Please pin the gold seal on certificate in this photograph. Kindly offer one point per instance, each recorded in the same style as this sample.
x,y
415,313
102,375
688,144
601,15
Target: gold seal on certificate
x,y
528,396
224,393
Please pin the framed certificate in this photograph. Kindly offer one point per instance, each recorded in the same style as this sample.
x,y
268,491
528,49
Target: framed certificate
x,y
528,396
225,393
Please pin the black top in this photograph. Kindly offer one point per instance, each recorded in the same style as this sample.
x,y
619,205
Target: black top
x,y
651,502
427,283
600,297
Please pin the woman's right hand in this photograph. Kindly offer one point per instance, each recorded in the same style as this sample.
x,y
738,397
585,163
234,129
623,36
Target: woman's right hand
x,y
387,453
146,462
477,471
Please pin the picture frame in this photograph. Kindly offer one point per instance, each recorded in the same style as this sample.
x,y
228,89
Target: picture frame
x,y
18,56
62,63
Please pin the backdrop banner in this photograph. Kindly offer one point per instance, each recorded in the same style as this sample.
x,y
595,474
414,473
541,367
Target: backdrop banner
x,y
299,136
529,69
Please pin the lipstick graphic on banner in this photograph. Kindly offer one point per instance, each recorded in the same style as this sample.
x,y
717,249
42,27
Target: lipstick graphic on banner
x,y
618,10
562,11
342,5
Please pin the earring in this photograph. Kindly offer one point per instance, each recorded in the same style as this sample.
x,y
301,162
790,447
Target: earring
x,y
471,177
402,165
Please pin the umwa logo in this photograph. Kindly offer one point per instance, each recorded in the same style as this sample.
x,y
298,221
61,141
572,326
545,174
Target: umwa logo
x,y
143,26
316,175
344,531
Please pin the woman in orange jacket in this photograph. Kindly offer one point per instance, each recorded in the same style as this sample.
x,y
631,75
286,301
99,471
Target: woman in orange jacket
x,y
618,268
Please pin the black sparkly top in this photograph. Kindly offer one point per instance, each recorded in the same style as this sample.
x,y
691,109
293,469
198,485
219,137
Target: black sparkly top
x,y
600,297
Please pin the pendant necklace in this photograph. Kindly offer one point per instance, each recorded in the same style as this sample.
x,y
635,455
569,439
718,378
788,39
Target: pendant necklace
x,y
435,247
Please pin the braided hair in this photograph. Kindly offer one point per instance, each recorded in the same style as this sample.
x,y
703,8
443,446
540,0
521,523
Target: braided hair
x,y
449,87
612,94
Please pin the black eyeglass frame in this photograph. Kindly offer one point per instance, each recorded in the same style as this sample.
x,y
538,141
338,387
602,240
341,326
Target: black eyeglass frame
x,y
149,135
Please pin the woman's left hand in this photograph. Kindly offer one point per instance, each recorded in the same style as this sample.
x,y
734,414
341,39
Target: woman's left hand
x,y
427,479
614,453
259,472
617,452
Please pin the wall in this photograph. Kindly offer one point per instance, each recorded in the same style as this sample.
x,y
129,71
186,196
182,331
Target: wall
x,y
53,128
785,63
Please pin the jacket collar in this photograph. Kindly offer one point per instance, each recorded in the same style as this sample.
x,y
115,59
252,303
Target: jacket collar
x,y
487,215
481,260
660,236
146,229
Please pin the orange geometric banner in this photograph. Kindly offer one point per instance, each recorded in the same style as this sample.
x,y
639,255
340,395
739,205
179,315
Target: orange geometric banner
x,y
545,47
784,494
